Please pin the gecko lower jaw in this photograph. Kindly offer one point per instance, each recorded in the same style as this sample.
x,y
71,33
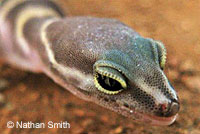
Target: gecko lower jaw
x,y
159,121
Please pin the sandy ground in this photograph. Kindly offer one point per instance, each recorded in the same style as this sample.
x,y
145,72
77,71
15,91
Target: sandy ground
x,y
34,97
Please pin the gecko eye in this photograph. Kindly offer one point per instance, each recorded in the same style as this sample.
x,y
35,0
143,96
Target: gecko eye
x,y
109,80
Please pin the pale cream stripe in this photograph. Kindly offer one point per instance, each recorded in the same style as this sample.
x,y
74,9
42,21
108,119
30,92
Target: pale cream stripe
x,y
8,6
86,80
23,17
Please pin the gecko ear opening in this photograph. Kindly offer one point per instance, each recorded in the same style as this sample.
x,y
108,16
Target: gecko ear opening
x,y
161,54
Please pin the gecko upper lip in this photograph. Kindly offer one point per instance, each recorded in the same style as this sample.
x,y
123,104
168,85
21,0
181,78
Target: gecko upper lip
x,y
156,120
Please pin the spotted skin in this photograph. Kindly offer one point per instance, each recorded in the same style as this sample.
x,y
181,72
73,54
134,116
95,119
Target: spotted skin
x,y
73,50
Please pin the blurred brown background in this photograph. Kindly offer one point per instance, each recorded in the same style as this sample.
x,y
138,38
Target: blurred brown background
x,y
34,97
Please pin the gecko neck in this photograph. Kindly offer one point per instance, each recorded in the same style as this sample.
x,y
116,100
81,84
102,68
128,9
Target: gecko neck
x,y
20,32
23,40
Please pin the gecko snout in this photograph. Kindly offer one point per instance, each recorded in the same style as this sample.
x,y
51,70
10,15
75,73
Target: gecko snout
x,y
170,109
173,108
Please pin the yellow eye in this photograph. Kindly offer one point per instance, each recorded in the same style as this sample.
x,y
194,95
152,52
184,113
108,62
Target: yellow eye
x,y
109,80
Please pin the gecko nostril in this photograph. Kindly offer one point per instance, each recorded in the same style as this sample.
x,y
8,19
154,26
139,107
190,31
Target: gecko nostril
x,y
168,110
173,109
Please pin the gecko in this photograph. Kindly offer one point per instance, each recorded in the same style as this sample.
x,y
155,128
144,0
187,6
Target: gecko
x,y
100,60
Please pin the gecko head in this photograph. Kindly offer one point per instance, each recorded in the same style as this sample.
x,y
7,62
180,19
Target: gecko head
x,y
135,85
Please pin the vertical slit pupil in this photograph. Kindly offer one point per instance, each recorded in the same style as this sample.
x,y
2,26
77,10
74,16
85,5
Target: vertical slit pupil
x,y
108,83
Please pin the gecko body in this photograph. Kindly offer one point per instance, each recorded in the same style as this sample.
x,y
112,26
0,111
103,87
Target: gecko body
x,y
97,59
